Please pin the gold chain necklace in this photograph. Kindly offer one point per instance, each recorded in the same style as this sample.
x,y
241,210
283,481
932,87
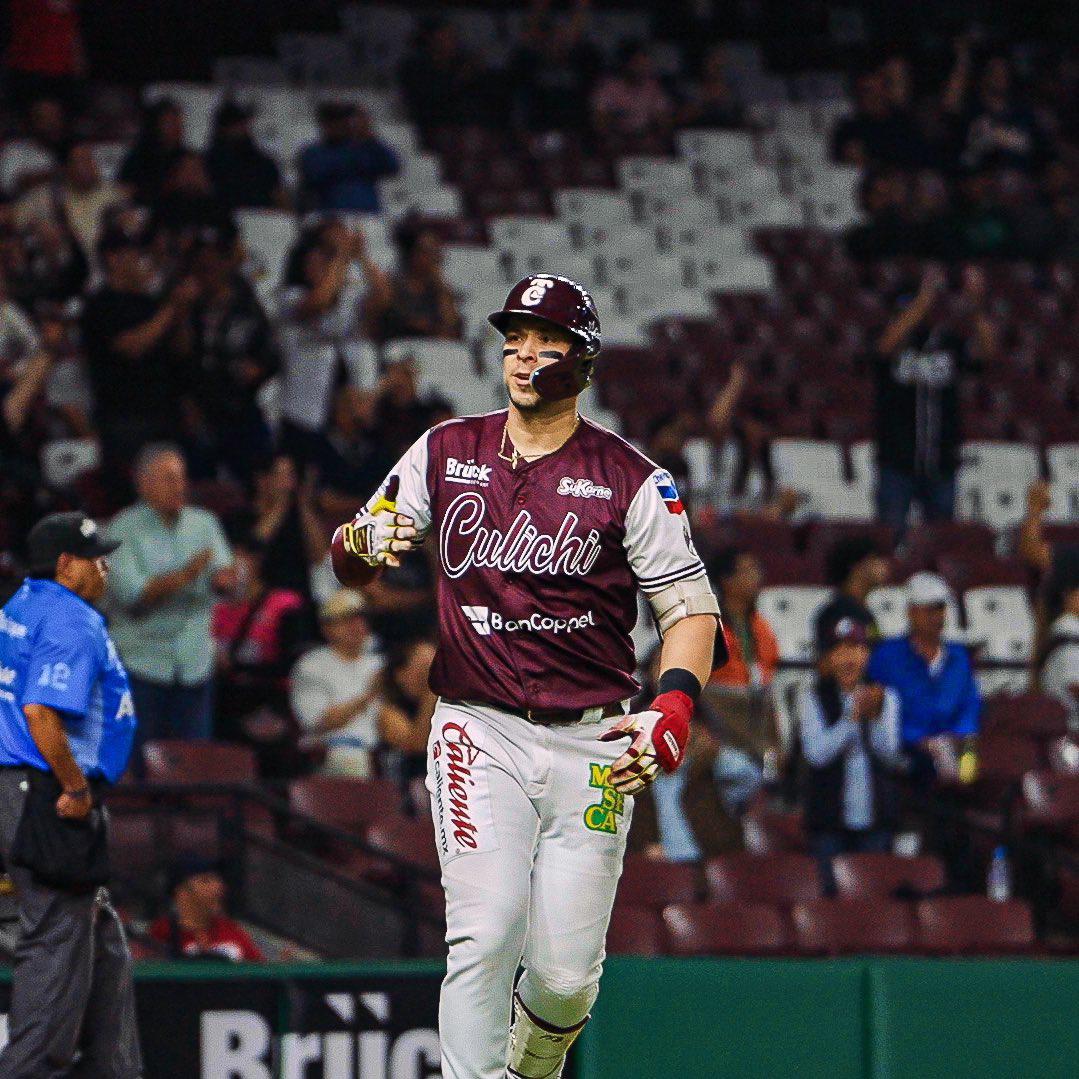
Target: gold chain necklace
x,y
513,457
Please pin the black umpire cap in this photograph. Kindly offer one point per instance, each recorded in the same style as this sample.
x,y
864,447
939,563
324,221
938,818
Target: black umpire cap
x,y
65,533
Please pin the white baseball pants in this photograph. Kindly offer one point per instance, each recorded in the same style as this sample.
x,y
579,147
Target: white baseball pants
x,y
530,841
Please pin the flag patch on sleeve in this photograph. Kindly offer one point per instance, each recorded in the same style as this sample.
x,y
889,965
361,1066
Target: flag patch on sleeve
x,y
668,492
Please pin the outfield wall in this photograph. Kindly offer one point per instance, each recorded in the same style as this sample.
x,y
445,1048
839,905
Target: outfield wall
x,y
655,1019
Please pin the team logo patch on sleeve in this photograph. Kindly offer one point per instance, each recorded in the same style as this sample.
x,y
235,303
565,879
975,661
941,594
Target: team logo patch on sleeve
x,y
668,492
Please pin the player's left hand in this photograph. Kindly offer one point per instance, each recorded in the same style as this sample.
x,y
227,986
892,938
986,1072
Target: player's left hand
x,y
659,741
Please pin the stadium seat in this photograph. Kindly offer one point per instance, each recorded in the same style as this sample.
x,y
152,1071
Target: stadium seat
x,y
176,761
994,461
1063,461
349,804
972,925
725,929
790,611
1030,714
1000,619
852,926
781,879
408,839
650,883
798,463
950,537
769,832
1003,761
881,875
889,607
1050,800
634,930
998,503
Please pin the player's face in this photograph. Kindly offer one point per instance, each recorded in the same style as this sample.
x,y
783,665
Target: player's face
x,y
530,343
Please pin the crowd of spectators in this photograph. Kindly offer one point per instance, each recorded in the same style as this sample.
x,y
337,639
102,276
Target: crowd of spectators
x,y
132,332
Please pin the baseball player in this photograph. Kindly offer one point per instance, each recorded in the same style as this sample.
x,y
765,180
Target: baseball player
x,y
546,526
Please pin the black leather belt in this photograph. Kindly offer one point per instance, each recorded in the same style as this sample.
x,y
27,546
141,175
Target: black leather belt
x,y
546,717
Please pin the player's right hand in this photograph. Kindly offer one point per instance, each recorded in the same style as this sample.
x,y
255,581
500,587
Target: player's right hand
x,y
378,535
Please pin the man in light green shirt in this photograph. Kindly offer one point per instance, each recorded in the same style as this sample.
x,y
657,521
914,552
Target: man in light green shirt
x,y
161,595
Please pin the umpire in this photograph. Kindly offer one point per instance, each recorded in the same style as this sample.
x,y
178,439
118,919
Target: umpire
x,y
66,728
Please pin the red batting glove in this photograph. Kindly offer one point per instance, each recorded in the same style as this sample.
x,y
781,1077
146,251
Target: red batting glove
x,y
659,741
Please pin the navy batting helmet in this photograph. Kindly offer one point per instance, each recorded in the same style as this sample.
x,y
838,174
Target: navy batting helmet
x,y
566,304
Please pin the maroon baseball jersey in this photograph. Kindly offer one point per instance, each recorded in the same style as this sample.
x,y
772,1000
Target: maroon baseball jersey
x,y
540,565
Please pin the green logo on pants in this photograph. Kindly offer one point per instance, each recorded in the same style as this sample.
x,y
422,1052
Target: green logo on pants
x,y
603,816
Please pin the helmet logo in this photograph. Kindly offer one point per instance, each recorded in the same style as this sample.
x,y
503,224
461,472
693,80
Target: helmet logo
x,y
536,290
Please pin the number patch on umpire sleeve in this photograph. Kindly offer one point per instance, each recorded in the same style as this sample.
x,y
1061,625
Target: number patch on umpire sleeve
x,y
458,771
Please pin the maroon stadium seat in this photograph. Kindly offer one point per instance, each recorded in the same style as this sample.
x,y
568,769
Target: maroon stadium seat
x,y
172,760
977,570
1003,760
930,541
880,875
972,925
781,879
635,930
1031,714
850,926
346,803
767,832
649,883
726,929
1050,800
410,839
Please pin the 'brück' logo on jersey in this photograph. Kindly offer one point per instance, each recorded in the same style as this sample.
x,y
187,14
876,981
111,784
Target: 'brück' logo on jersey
x,y
485,622
582,488
467,472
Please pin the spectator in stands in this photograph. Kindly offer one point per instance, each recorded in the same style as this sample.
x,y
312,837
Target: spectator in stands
x,y
710,101
318,307
234,353
850,737
997,129
918,365
881,131
288,527
554,68
337,688
196,925
162,590
407,707
402,412
630,105
257,629
855,568
1058,654
27,162
159,141
129,335
738,696
77,199
1032,546
416,300
243,174
441,81
751,642
353,458
341,170
187,203
934,679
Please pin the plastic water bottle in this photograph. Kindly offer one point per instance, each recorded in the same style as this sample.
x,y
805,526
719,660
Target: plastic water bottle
x,y
999,877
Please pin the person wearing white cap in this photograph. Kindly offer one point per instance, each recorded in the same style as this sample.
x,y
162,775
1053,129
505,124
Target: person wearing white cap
x,y
934,679
336,689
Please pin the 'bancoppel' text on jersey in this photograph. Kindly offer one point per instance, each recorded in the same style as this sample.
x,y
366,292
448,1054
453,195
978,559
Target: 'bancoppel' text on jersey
x,y
540,564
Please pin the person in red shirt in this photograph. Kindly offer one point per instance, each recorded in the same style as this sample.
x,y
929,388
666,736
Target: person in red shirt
x,y
751,641
196,925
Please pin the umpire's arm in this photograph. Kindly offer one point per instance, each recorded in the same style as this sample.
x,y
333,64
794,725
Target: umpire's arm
x,y
47,730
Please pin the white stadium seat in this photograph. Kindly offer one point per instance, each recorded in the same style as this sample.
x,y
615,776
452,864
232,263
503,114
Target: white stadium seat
x,y
1000,504
790,611
798,462
267,236
1063,460
995,461
1000,619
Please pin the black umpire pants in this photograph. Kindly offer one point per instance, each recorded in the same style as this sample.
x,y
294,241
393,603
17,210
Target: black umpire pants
x,y
73,996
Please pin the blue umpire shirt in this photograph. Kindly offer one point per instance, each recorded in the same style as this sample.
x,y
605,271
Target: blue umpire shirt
x,y
944,700
55,650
